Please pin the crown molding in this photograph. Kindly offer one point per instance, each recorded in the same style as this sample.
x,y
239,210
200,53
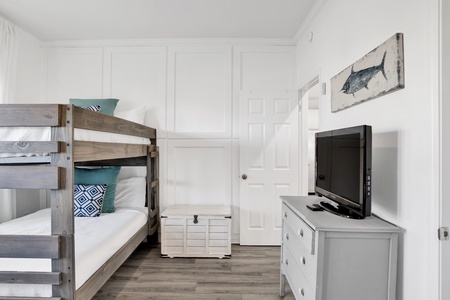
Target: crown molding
x,y
166,42
309,18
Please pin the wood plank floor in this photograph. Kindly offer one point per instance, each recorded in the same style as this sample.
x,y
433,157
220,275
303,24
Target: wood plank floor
x,y
252,273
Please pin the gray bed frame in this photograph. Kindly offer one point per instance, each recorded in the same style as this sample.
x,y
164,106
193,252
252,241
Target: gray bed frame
x,y
55,173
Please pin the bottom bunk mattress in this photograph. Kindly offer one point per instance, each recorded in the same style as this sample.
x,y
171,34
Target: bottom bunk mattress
x,y
96,240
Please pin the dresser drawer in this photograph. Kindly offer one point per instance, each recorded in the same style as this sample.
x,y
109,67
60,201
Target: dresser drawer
x,y
300,229
299,285
302,256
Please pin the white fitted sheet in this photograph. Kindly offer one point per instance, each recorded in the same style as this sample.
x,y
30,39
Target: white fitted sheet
x,y
44,134
96,240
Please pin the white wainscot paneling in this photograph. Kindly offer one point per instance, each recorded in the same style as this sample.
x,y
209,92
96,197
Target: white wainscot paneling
x,y
265,68
199,172
199,92
72,73
236,181
162,144
137,76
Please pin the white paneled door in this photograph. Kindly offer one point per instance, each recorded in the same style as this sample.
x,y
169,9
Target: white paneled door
x,y
268,162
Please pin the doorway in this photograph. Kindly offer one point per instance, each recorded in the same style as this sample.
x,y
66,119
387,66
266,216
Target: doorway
x,y
309,105
268,162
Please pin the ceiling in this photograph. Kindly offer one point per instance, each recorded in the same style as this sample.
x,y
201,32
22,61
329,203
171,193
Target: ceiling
x,y
51,20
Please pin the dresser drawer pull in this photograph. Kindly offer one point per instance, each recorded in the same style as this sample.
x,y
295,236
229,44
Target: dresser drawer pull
x,y
301,232
302,291
303,260
287,236
286,262
285,214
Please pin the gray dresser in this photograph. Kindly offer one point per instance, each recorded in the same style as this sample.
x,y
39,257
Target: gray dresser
x,y
328,257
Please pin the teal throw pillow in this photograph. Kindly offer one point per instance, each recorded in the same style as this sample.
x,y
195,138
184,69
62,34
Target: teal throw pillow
x,y
107,105
100,176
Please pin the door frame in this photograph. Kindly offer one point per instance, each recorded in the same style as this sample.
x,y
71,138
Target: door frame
x,y
303,128
441,126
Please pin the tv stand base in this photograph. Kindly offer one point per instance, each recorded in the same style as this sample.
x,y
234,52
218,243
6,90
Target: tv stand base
x,y
339,210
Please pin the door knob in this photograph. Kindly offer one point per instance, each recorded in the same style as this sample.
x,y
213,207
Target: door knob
x,y
244,176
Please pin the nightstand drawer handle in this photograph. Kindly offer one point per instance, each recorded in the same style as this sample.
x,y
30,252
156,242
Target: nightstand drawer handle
x,y
301,232
287,236
302,291
285,214
286,262
303,260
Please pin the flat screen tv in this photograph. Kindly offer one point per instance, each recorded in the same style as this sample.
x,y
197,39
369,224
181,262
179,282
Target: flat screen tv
x,y
343,170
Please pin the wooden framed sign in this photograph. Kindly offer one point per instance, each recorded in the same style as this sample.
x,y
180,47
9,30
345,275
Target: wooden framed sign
x,y
379,72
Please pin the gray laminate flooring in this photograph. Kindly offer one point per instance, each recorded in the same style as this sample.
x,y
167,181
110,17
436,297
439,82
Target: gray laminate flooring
x,y
252,273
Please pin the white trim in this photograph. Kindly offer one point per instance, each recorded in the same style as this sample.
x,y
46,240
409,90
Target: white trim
x,y
310,79
434,87
309,18
167,42
314,79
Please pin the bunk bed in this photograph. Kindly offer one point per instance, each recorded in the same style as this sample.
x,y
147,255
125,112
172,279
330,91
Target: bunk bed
x,y
52,167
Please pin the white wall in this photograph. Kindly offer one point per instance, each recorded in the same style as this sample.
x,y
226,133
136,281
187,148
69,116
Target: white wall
x,y
191,91
402,122
28,69
28,84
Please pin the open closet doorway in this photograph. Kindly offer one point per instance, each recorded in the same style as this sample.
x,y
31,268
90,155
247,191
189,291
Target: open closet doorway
x,y
309,98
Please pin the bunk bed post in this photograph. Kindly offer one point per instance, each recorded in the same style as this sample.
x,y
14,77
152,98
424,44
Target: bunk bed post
x,y
153,190
62,205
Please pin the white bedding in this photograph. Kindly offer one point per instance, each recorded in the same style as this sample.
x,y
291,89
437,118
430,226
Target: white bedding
x,y
96,240
44,134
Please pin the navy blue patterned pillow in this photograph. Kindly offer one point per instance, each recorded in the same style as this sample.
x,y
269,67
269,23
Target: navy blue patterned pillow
x,y
96,108
88,199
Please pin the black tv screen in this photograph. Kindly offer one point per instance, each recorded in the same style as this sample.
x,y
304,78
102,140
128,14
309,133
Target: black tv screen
x,y
343,170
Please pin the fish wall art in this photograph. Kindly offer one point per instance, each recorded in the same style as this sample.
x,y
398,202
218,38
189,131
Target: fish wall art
x,y
379,72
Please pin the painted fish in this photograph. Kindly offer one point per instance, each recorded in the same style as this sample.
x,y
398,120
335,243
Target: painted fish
x,y
360,79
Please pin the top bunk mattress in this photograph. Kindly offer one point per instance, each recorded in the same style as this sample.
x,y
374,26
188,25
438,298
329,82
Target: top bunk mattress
x,y
44,134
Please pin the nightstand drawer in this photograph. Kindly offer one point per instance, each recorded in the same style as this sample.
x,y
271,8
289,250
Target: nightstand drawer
x,y
300,229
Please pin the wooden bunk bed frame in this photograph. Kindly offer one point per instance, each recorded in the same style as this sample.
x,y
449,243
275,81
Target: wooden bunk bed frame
x,y
56,172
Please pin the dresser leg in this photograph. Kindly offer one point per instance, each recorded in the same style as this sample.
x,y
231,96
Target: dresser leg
x,y
282,280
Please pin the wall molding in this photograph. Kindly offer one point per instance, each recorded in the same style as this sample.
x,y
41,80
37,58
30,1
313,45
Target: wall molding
x,y
309,19
167,42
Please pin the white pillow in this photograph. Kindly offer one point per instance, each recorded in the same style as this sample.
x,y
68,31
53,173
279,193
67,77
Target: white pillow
x,y
130,192
136,115
128,172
